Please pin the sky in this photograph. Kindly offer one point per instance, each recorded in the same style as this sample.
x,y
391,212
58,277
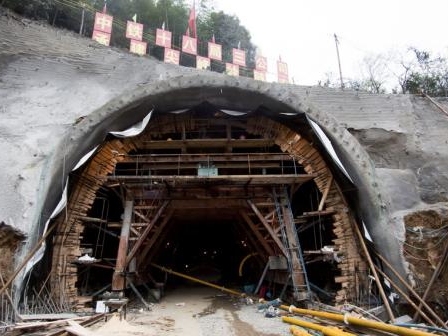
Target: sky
x,y
302,32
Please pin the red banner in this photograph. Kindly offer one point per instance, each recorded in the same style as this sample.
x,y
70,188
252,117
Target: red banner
x,y
134,30
232,69
260,75
163,38
215,51
202,63
239,57
101,37
261,63
103,23
171,56
138,47
189,45
282,72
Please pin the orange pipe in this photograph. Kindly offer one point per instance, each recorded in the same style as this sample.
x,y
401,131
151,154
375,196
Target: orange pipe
x,y
298,332
331,331
230,291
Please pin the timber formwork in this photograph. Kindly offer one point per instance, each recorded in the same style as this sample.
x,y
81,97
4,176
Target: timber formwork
x,y
249,196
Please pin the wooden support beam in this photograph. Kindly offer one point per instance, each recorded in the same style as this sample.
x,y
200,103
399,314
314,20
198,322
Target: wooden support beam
x,y
274,179
155,235
257,233
207,143
297,271
325,194
118,277
140,215
145,233
268,227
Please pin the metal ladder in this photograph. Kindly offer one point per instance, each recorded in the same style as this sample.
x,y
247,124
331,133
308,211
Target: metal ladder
x,y
296,263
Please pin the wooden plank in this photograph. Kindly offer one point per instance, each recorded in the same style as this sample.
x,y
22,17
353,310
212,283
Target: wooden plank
x,y
120,266
268,227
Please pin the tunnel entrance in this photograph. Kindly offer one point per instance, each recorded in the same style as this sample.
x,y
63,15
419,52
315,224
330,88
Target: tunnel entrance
x,y
221,196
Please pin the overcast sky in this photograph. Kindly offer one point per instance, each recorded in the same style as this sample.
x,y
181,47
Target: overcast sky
x,y
302,32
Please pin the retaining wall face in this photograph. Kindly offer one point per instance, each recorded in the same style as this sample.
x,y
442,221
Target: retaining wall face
x,y
60,95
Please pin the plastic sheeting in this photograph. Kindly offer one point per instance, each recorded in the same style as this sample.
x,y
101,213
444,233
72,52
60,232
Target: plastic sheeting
x,y
328,146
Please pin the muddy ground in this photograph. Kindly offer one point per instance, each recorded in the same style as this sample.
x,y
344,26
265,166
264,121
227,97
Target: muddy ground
x,y
197,311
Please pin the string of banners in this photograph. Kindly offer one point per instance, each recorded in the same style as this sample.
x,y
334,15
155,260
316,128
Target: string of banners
x,y
102,31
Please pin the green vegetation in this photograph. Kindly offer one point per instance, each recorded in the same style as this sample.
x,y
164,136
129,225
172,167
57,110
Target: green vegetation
x,y
67,14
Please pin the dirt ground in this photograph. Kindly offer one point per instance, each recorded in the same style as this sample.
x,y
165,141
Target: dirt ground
x,y
198,311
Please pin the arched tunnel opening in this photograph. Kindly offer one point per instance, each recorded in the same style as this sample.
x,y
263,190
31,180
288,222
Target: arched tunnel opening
x,y
241,200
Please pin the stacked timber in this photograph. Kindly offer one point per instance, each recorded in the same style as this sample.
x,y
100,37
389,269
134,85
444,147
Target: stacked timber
x,y
69,231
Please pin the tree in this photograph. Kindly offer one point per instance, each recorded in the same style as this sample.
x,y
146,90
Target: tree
x,y
228,32
429,75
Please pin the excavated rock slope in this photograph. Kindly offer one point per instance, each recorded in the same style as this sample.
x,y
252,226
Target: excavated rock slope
x,y
50,79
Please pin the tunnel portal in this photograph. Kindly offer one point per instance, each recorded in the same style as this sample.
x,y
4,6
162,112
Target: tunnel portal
x,y
218,195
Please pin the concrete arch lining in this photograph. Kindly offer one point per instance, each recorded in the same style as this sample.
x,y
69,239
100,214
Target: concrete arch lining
x,y
225,93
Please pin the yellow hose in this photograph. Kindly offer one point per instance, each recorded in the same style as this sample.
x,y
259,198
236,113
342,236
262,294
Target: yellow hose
x,y
358,322
331,331
240,269
230,291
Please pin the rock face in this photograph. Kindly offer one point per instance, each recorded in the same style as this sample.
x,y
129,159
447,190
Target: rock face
x,y
60,94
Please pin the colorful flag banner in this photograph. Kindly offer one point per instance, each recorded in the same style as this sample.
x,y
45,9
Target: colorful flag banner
x,y
134,31
202,63
232,69
189,45
215,51
101,37
163,38
260,75
282,72
171,56
103,22
191,30
239,57
261,63
138,47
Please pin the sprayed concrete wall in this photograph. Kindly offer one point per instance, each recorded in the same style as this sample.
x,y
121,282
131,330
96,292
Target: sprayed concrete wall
x,y
61,94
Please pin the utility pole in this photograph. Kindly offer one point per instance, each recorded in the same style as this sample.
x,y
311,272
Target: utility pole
x,y
82,19
339,60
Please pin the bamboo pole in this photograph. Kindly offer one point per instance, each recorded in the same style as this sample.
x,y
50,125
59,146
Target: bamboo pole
x,y
230,291
412,291
433,279
347,319
372,267
27,258
406,297
10,300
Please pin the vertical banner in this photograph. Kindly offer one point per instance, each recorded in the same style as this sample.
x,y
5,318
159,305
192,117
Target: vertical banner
x,y
282,72
202,63
138,47
163,38
261,63
189,45
232,69
100,37
171,56
215,51
239,57
134,30
103,23
260,75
